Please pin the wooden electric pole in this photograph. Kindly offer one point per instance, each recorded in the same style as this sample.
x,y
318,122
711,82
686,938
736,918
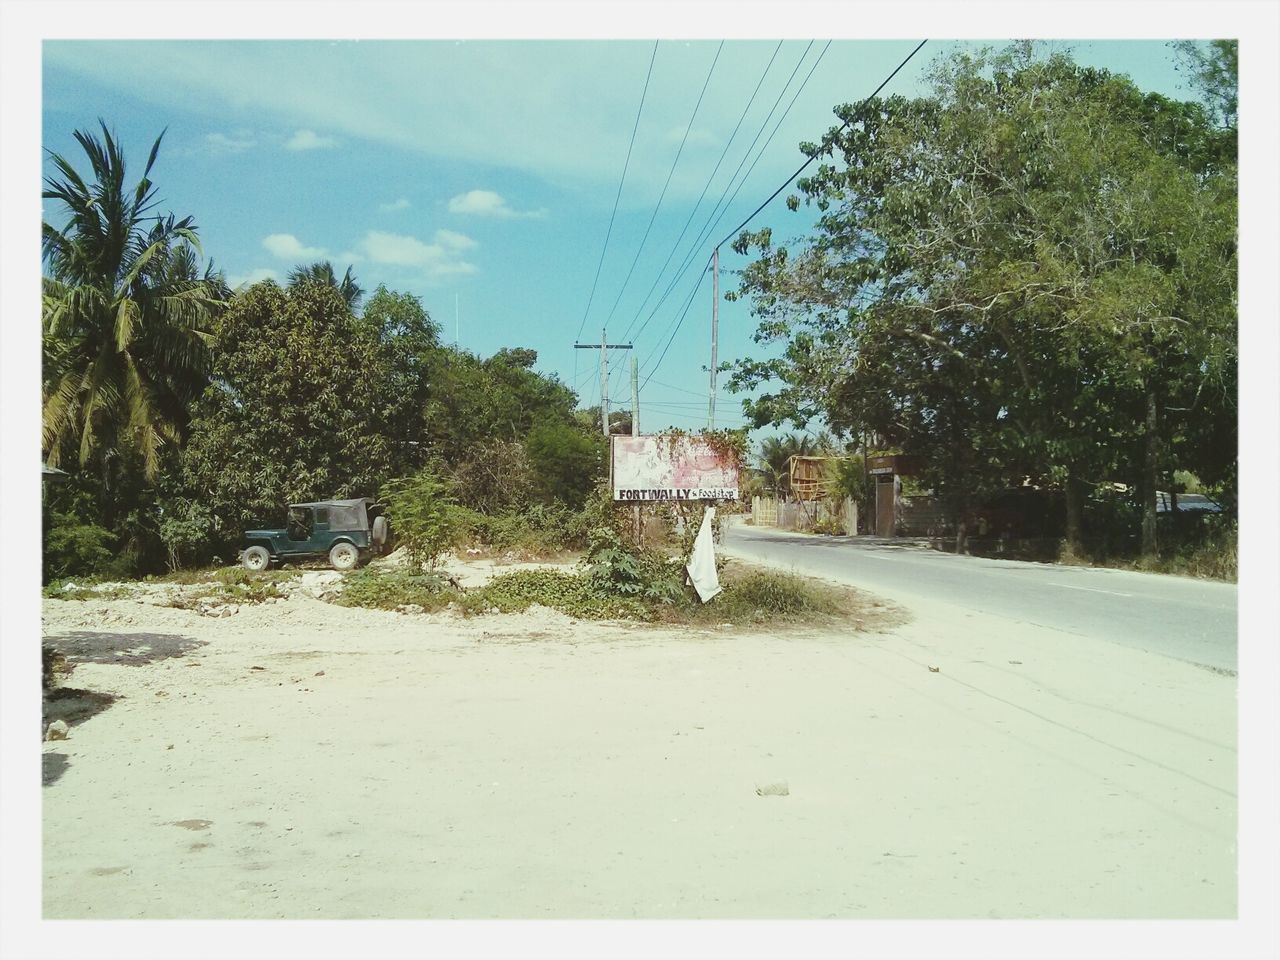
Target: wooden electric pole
x,y
604,346
715,323
635,397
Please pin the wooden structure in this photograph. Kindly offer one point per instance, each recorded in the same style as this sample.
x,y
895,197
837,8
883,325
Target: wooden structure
x,y
888,472
810,477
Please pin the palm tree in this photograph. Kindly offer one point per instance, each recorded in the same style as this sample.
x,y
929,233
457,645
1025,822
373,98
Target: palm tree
x,y
322,272
126,314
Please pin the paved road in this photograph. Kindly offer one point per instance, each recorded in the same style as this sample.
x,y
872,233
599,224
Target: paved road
x,y
1179,617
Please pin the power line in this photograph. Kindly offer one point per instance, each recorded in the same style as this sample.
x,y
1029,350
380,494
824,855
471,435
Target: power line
x,y
676,325
692,393
801,169
708,224
712,218
815,156
674,163
768,140
617,198
723,153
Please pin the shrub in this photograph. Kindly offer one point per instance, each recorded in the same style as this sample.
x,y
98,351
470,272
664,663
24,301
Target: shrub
x,y
567,462
617,567
829,526
575,595
425,516
186,529
539,529
392,589
493,476
75,545
85,588
778,594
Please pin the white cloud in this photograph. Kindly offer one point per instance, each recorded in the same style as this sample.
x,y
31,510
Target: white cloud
x,y
288,247
401,204
437,259
309,140
237,142
486,203
252,277
568,94
454,241
576,100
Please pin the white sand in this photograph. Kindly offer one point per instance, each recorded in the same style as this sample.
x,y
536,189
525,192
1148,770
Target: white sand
x,y
532,766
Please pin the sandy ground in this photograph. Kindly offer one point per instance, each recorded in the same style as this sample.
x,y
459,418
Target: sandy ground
x,y
303,760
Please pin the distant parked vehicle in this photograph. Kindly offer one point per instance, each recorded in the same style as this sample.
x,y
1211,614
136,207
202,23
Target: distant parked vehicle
x,y
348,532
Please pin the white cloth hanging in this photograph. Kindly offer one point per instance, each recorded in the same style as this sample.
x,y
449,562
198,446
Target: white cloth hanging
x,y
702,563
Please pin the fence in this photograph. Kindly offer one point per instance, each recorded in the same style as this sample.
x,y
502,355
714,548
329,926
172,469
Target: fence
x,y
826,516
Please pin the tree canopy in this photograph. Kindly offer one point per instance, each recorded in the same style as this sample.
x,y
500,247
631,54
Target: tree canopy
x,y
1028,275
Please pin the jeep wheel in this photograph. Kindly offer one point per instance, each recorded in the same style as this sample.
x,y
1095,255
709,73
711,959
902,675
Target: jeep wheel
x,y
256,559
344,556
380,532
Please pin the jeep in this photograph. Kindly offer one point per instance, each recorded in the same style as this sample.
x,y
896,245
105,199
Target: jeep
x,y
346,531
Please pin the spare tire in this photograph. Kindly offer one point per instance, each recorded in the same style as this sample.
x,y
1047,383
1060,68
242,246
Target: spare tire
x,y
380,531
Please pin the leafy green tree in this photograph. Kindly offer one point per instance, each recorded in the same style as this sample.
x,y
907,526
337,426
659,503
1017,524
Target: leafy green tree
x,y
1017,277
126,314
499,398
409,346
294,411
1215,70
568,463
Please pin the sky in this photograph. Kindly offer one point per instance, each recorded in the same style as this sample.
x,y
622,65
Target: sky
x,y
481,176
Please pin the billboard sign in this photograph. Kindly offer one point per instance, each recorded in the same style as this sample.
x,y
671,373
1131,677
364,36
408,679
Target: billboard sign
x,y
644,469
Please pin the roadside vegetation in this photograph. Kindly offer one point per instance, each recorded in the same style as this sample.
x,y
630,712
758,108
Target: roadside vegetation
x,y
1061,316
615,579
1026,276
750,597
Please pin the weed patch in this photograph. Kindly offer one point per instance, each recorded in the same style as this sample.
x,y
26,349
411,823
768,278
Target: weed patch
x,y
397,588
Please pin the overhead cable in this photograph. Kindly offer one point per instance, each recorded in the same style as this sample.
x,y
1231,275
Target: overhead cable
x,y
617,198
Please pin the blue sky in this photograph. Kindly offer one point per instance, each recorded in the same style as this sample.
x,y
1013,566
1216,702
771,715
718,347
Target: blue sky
x,y
483,173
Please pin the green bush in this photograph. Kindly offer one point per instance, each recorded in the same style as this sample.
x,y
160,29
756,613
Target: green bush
x,y
571,594
539,529
567,462
75,545
391,589
776,595
84,588
829,526
617,567
425,515
186,530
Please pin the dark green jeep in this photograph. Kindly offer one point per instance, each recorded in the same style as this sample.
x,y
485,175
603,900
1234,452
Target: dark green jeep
x,y
346,531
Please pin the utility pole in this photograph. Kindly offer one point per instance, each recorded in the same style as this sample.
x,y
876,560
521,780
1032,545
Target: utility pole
x,y
636,528
715,324
635,397
604,346
604,383
457,322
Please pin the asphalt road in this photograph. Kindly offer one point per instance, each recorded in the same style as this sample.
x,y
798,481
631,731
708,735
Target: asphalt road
x,y
1191,620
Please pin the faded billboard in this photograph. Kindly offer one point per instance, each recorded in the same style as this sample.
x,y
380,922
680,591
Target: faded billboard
x,y
676,468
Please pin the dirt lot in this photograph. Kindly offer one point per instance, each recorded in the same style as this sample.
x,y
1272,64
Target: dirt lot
x,y
305,760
